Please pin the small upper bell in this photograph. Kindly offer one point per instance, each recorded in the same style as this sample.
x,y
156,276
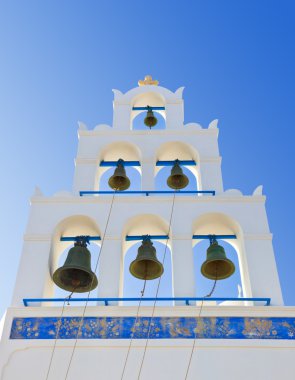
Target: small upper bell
x,y
119,180
217,266
150,120
177,180
76,274
146,266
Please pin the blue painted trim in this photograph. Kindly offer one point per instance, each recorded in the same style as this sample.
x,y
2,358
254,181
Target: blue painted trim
x,y
181,162
142,237
74,238
147,108
187,300
115,163
215,236
157,327
147,192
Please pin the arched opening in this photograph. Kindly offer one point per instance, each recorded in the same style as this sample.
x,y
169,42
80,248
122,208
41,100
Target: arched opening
x,y
142,225
77,225
238,284
170,152
151,99
113,152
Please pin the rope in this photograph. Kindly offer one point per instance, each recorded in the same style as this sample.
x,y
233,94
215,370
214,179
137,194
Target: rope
x,y
157,291
195,337
86,304
133,328
57,333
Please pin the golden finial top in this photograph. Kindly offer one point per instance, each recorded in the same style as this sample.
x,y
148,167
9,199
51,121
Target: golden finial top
x,y
148,81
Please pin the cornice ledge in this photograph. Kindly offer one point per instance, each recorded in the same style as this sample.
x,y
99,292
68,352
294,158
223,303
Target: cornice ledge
x,y
85,161
37,237
212,159
267,236
178,131
143,199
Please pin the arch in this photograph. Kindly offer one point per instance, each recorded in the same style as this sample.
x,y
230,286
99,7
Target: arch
x,y
75,225
147,99
143,224
222,224
113,152
179,150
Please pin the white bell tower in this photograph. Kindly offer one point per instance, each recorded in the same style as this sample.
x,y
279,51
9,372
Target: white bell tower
x,y
248,337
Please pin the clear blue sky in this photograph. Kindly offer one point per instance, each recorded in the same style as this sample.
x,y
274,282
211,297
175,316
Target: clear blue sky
x,y
60,60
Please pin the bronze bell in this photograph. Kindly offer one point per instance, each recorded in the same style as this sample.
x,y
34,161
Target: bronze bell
x,y
146,266
150,120
119,180
177,180
217,266
76,274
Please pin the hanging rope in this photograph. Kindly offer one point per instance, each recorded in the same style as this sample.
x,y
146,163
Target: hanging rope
x,y
57,333
86,304
133,328
195,337
158,287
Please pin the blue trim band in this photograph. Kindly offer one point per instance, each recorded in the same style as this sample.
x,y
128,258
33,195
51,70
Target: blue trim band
x,y
268,328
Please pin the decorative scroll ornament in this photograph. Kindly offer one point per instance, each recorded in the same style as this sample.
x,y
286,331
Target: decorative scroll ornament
x,y
148,81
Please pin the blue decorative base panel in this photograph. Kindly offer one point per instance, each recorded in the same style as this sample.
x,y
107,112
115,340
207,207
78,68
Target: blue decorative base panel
x,y
155,328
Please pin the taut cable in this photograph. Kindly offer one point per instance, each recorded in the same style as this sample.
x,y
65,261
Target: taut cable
x,y
157,291
86,304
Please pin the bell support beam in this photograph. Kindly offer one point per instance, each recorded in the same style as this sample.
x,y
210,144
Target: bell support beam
x,y
76,238
150,192
122,162
148,108
145,237
210,237
180,162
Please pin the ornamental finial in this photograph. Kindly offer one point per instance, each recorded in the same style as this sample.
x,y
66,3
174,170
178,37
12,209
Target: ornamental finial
x,y
148,81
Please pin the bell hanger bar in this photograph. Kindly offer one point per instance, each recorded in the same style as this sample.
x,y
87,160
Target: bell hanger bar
x,y
147,108
146,237
85,239
120,161
180,162
214,237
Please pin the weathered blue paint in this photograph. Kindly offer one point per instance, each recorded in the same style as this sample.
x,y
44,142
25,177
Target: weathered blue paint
x,y
160,328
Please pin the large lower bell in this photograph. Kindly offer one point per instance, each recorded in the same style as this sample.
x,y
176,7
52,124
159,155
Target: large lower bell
x,y
119,180
146,266
217,266
177,180
76,274
150,120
